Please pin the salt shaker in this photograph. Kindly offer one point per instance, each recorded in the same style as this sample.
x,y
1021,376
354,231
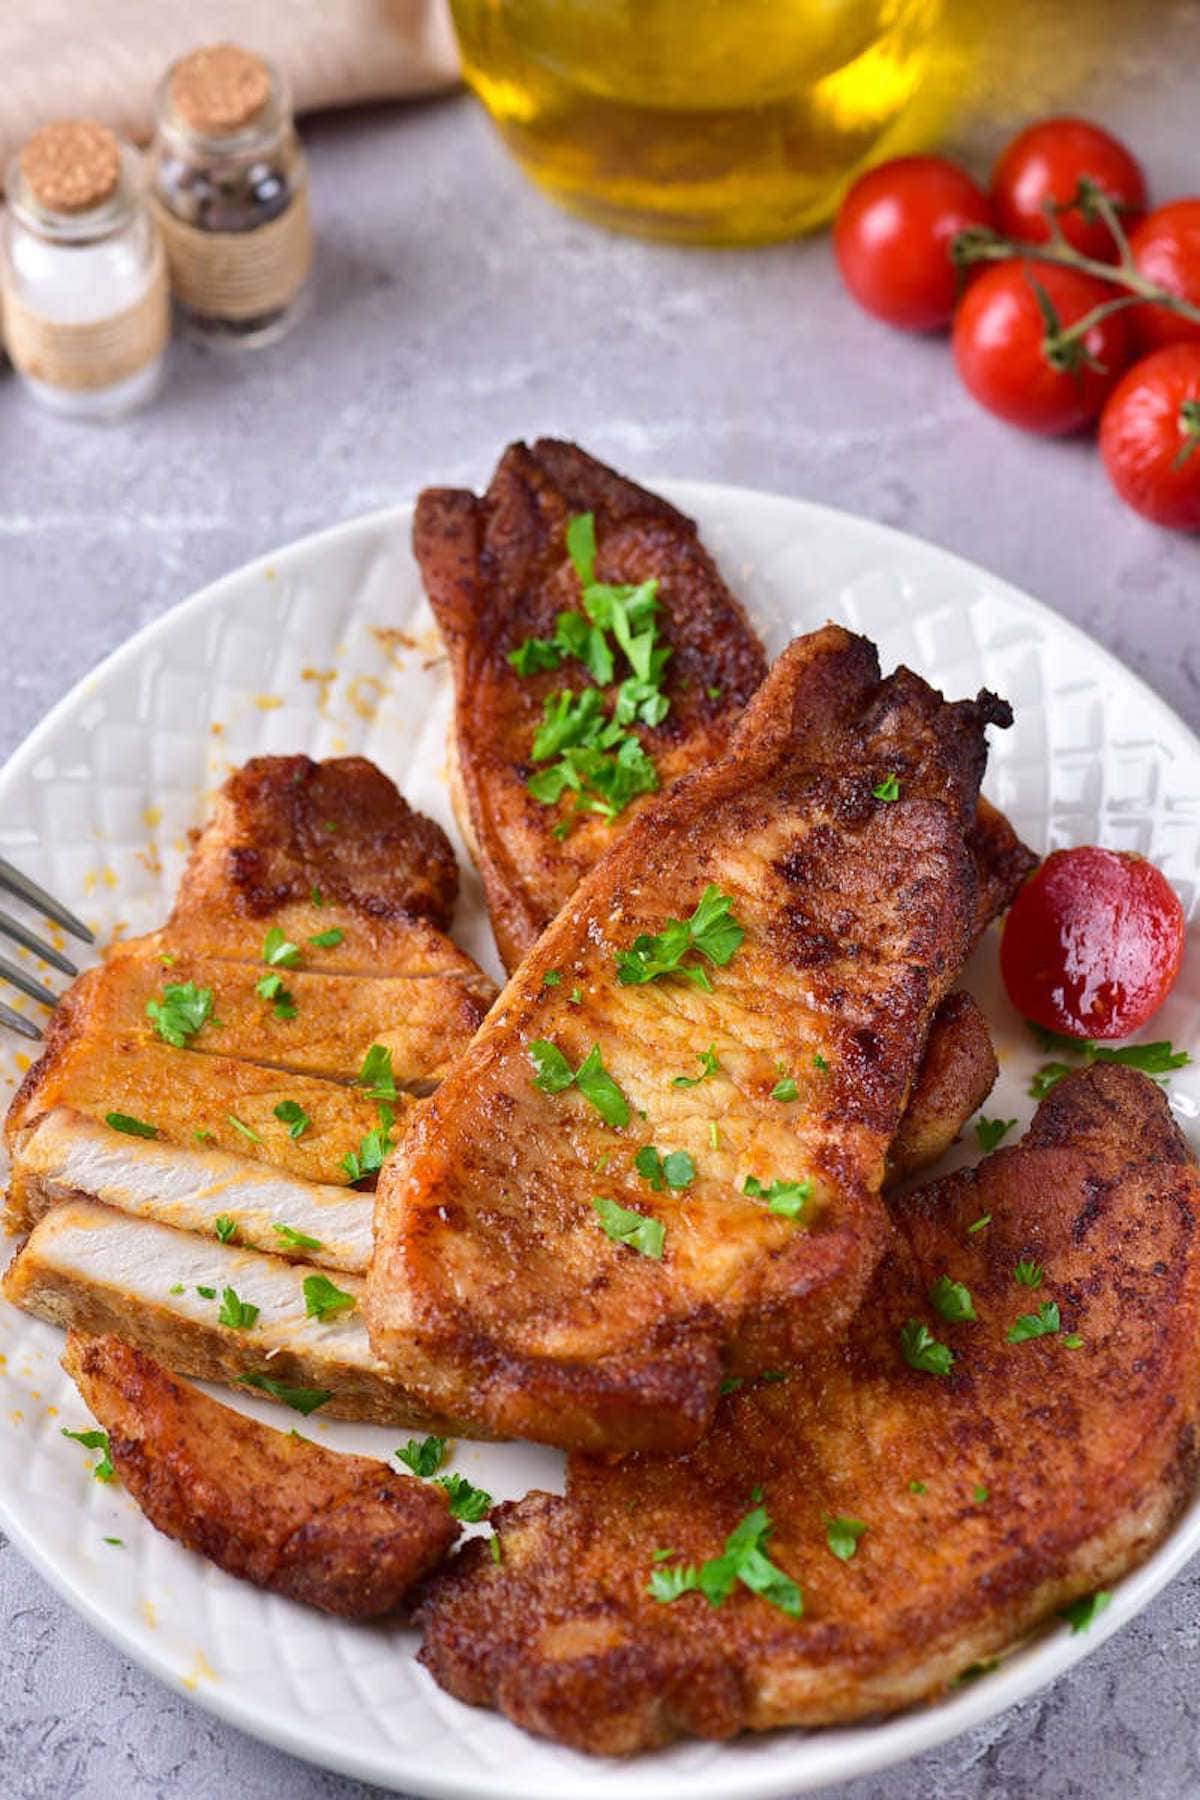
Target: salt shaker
x,y
86,306
230,194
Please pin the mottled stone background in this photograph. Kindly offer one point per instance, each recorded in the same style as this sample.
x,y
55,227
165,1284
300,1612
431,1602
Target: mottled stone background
x,y
455,310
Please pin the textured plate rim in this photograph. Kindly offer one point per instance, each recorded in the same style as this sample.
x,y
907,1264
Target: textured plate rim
x,y
850,1752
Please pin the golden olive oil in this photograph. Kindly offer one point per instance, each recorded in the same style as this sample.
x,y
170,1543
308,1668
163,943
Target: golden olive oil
x,y
709,121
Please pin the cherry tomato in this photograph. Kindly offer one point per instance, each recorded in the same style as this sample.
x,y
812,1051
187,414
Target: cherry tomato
x,y
893,234
1150,436
1005,355
1166,248
1046,164
1093,943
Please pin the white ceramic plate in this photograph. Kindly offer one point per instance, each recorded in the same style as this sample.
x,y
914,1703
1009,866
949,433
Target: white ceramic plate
x,y
293,654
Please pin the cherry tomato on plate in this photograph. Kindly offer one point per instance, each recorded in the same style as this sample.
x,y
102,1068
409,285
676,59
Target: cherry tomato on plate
x,y
1166,249
1093,943
893,234
1046,164
1150,436
1004,346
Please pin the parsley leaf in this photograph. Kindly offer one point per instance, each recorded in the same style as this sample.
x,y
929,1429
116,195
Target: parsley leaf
x,y
270,987
239,1315
278,952
494,1550
1159,1058
225,1227
1043,1323
376,1073
368,1159
712,931
1028,1273
786,1198
743,1559
328,940
424,1456
980,1222
552,978
980,1495
471,1504
324,1301
300,1399
637,1230
183,1010
992,1132
1082,1613
296,1240
675,1170
785,1089
244,1129
922,1351
887,789
917,1487
131,1127
207,1293
952,1300
1047,1077
708,1066
293,1115
820,1063
551,1070
1073,1341
553,1075
95,1440
842,1536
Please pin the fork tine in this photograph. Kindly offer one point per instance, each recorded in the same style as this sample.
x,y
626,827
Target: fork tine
x,y
19,884
10,971
26,1027
13,928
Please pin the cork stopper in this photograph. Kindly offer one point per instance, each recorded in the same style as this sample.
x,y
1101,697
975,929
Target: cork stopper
x,y
71,166
219,89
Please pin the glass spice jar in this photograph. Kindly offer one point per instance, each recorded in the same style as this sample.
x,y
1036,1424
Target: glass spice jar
x,y
86,307
229,186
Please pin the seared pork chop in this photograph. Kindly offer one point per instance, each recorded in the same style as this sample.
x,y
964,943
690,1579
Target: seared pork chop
x,y
924,1521
342,1533
498,573
629,1188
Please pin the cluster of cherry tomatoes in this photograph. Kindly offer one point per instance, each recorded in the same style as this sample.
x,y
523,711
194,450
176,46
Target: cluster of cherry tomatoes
x,y
1067,301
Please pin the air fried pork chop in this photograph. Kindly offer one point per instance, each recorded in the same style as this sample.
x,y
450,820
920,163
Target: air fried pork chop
x,y
970,1505
536,1269
342,1533
498,572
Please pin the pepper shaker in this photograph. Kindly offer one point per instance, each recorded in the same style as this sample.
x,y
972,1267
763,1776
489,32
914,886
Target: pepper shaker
x,y
86,307
230,193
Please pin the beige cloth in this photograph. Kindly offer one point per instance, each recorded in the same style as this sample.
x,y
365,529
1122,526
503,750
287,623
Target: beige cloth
x,y
102,59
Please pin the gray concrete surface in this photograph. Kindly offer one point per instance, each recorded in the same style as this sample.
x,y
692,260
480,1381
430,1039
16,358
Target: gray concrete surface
x,y
455,310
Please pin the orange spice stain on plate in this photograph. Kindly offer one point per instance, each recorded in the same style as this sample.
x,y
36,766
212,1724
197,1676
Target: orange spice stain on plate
x,y
149,1612
393,642
364,693
152,817
95,878
201,1670
268,702
324,679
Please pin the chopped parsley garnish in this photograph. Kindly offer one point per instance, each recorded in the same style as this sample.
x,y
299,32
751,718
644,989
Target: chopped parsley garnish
x,y
300,1399
1047,1077
1082,1613
293,1115
368,1159
207,1293
922,1351
637,1230
787,1198
131,1127
424,1456
239,1315
842,1536
708,1066
278,952
575,997
118,1543
773,1375
730,1385
974,1670
1043,1323
324,1301
270,987
177,1288
712,931
714,1135
468,1503
952,1300
316,896
95,1440
552,1073
183,1010
376,1073
980,1222
328,940
244,1129
675,1170
992,1132
1028,1273
887,789
980,1495
785,1089
743,1559
820,1063
1159,1058
494,1550
1073,1341
917,1487
225,1227
297,1240
552,977
203,1137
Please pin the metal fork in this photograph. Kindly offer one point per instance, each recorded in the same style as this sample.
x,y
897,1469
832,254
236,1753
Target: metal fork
x,y
29,891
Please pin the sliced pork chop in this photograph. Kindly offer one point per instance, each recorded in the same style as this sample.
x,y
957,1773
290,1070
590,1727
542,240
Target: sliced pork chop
x,y
497,572
342,1533
970,1506
496,1284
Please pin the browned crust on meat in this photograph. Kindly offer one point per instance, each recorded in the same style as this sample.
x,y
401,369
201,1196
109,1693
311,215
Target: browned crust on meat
x,y
957,1073
342,1533
1087,1456
497,571
1002,860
